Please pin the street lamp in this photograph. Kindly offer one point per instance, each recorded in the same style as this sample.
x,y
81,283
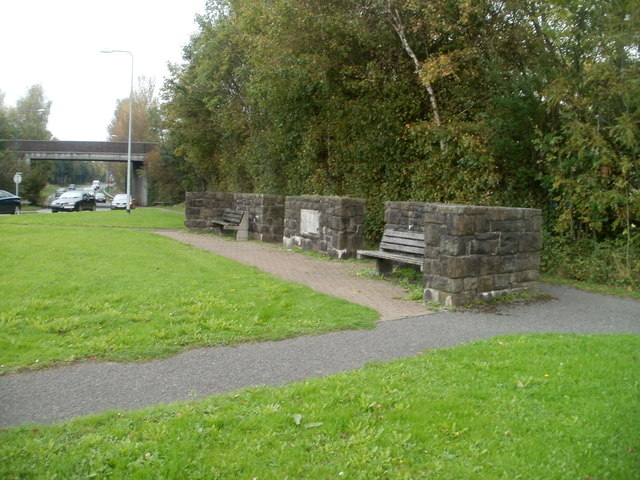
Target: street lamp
x,y
130,123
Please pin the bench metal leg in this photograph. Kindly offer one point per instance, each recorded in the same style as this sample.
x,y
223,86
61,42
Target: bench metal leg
x,y
384,267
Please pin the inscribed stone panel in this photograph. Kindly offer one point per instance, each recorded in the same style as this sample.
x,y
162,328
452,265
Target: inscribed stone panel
x,y
309,222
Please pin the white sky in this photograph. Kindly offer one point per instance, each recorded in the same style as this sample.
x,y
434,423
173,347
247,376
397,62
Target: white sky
x,y
57,43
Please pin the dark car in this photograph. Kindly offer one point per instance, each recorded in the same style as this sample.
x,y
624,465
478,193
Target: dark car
x,y
73,200
9,203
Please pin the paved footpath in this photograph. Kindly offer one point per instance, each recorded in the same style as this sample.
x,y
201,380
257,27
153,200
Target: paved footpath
x,y
61,393
333,278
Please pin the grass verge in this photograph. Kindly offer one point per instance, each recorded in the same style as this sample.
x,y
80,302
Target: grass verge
x,y
535,406
126,295
626,292
138,218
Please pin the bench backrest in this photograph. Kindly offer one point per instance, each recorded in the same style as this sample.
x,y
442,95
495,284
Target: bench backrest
x,y
407,243
232,216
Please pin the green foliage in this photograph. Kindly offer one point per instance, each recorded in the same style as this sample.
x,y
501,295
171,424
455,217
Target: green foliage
x,y
536,102
537,406
66,172
35,182
611,262
307,98
591,150
26,121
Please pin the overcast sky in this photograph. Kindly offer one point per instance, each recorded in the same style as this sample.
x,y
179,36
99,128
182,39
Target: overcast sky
x,y
57,43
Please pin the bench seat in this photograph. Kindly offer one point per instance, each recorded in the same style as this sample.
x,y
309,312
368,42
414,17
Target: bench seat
x,y
233,220
397,246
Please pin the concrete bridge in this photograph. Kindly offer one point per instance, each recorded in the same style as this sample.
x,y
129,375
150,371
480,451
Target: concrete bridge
x,y
34,150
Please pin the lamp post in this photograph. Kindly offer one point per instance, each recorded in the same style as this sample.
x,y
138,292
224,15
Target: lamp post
x,y
130,123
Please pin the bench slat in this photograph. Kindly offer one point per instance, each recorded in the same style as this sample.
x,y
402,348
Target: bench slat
x,y
405,242
399,247
232,217
419,236
402,241
234,220
229,217
390,256
414,250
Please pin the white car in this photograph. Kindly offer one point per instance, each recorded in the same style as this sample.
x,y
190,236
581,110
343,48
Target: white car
x,y
119,202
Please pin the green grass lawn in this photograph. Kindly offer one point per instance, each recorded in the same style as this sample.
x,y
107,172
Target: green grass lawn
x,y
72,293
516,407
138,218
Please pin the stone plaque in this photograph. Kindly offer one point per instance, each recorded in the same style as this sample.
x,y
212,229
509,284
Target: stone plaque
x,y
309,222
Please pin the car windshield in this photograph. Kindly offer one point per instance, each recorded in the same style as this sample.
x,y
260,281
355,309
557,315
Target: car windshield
x,y
75,194
120,198
4,194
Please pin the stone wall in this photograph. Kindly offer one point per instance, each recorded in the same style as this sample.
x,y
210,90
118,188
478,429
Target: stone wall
x,y
479,252
405,216
266,212
471,252
201,207
266,215
330,225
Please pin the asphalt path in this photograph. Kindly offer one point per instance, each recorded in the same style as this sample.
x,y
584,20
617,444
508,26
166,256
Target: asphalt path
x,y
62,393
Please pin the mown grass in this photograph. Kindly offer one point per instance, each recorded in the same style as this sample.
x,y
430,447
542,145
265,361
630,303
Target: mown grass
x,y
138,218
71,293
529,407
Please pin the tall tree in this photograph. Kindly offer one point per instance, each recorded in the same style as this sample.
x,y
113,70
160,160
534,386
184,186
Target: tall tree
x,y
146,127
590,145
472,101
145,118
26,121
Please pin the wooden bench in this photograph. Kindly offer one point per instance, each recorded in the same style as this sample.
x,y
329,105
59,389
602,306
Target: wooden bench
x,y
397,246
233,220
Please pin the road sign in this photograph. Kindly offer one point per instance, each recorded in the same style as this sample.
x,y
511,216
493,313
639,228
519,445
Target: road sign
x,y
17,178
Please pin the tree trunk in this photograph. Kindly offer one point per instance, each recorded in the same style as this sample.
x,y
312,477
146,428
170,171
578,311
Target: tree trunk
x,y
398,26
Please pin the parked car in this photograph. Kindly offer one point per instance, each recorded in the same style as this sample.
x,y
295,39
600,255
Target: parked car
x,y
100,197
73,200
119,202
53,196
9,203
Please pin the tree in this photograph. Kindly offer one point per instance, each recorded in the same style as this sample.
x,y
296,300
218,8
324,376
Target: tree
x,y
26,121
145,121
146,127
589,146
302,96
512,102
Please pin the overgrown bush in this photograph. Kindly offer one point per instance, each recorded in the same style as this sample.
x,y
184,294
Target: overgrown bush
x,y
603,262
